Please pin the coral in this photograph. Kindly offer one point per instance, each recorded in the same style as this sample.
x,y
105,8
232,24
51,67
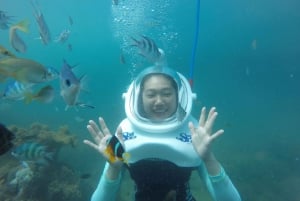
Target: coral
x,y
66,189
41,133
38,182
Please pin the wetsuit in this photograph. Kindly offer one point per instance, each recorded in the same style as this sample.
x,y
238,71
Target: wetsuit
x,y
156,178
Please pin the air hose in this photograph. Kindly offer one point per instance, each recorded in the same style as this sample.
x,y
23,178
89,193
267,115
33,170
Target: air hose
x,y
194,50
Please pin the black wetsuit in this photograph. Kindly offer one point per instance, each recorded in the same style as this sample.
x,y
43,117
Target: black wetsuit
x,y
156,178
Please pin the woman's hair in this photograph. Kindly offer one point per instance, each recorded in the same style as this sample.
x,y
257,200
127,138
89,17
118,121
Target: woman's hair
x,y
147,77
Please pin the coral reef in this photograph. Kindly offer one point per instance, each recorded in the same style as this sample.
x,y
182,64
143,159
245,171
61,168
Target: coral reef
x,y
42,134
30,181
66,189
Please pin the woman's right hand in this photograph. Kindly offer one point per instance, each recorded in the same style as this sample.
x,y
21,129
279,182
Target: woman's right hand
x,y
101,136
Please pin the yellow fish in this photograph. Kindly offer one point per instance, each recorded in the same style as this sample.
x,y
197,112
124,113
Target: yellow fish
x,y
44,95
23,70
5,52
14,39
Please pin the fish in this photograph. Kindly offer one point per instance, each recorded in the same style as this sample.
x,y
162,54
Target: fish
x,y
15,91
6,52
148,49
70,85
43,95
53,73
5,20
6,138
115,151
63,36
14,39
33,152
23,70
44,31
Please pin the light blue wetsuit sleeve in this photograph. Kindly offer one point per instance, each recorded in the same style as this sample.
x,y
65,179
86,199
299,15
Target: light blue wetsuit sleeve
x,y
220,187
107,189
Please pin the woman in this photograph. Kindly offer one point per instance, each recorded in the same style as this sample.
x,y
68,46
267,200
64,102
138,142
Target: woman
x,y
163,141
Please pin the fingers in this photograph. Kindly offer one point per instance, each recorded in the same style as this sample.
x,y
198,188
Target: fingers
x,y
210,121
94,131
104,128
208,124
202,117
211,112
89,143
216,134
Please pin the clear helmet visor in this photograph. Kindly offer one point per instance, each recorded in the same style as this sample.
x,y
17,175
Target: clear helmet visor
x,y
184,106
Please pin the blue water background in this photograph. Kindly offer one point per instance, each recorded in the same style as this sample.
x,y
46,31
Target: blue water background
x,y
247,65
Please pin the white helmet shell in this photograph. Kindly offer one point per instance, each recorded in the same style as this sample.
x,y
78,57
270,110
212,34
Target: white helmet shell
x,y
185,102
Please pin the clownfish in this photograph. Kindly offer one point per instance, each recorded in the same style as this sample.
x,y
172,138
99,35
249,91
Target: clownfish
x,y
115,150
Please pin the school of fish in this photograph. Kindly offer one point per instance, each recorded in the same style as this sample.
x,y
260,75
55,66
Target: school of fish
x,y
26,79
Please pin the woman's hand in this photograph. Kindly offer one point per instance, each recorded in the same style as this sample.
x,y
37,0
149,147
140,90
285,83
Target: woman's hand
x,y
101,136
202,137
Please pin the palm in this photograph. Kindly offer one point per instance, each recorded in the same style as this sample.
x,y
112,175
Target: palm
x,y
202,136
101,136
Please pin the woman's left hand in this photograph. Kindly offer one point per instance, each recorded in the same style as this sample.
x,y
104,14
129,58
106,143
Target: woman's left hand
x,y
202,136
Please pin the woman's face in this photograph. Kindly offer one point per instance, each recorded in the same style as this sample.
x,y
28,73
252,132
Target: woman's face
x,y
159,98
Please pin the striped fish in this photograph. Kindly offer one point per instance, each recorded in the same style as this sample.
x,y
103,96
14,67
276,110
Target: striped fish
x,y
148,49
15,90
114,150
34,152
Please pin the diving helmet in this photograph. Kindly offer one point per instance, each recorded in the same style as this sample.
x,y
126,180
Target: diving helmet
x,y
185,101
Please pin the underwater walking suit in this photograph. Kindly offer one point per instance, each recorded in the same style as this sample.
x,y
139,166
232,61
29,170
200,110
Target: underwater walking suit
x,y
162,156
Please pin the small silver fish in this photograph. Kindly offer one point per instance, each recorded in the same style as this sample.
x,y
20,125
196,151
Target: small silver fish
x,y
14,39
42,25
63,36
